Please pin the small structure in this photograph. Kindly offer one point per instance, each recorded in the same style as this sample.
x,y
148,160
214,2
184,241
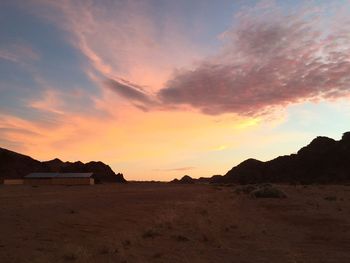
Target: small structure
x,y
15,181
59,179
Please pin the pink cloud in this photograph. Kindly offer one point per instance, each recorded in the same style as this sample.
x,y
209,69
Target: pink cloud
x,y
269,61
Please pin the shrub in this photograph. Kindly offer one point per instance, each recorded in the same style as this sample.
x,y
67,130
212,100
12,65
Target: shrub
x,y
246,189
181,238
150,234
268,192
330,198
70,257
74,253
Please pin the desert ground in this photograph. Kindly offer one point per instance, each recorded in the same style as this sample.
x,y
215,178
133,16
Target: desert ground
x,y
158,222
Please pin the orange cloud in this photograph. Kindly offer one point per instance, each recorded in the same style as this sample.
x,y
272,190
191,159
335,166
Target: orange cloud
x,y
50,102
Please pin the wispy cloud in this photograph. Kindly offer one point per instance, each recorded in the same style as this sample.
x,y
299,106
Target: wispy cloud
x,y
123,39
129,91
18,53
269,60
50,102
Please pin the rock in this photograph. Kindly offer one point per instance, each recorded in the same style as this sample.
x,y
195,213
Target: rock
x,y
184,180
324,160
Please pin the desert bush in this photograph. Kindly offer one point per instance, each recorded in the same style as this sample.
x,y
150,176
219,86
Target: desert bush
x,y
104,250
150,234
330,198
126,243
268,192
157,255
73,253
181,238
203,212
263,185
245,189
70,256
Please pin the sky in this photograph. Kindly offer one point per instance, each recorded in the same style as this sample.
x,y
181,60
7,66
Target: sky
x,y
159,88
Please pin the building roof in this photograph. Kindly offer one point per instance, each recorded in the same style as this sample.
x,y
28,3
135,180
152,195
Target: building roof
x,y
57,175
41,175
74,175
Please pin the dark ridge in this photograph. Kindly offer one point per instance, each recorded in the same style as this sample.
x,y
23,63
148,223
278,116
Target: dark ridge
x,y
324,160
15,165
184,180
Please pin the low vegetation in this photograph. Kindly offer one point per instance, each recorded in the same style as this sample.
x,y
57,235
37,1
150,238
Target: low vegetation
x,y
331,198
150,234
260,191
268,192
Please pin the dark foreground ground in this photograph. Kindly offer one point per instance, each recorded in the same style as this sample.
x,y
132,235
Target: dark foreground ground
x,y
172,223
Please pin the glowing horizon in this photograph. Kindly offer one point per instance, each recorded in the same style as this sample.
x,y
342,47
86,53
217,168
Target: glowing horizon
x,y
158,91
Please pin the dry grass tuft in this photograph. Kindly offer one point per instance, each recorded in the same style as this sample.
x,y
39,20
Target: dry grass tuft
x,y
157,255
150,234
126,243
70,257
245,189
73,253
268,192
331,198
181,238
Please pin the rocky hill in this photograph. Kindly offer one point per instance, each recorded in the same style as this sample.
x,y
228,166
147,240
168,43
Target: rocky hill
x,y
324,160
184,180
15,165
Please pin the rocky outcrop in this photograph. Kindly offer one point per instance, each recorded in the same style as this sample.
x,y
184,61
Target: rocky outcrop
x,y
102,172
53,165
15,165
324,160
184,180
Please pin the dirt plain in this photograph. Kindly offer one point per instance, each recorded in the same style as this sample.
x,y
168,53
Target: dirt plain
x,y
158,222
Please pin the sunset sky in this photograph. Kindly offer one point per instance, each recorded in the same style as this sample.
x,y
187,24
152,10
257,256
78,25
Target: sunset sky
x,y
160,88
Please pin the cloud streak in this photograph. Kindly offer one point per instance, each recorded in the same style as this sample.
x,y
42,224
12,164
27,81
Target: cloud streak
x,y
18,53
123,39
128,90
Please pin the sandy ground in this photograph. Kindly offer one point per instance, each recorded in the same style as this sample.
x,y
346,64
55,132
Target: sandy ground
x,y
172,223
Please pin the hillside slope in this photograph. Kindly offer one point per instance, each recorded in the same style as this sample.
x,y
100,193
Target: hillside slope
x,y
324,160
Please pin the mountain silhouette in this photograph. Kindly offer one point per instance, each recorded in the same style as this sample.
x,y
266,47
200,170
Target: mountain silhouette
x,y
16,165
186,179
324,160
